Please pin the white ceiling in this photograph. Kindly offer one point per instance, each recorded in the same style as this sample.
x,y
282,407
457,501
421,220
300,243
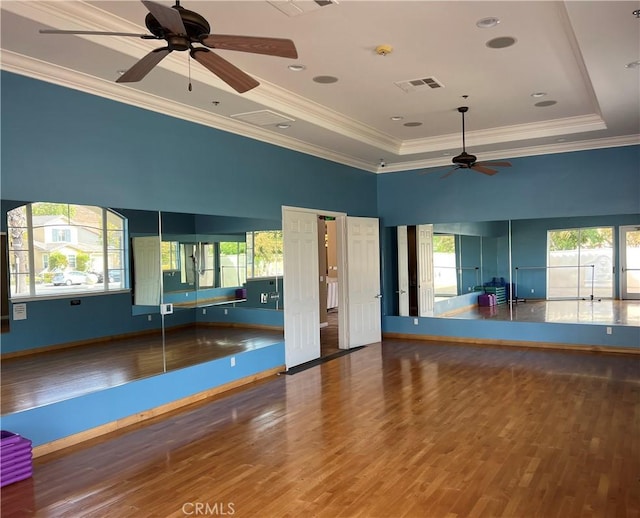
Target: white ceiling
x,y
575,51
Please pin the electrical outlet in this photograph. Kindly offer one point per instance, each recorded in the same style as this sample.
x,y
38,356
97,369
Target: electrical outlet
x,y
233,361
609,331
149,318
204,311
226,311
415,321
532,290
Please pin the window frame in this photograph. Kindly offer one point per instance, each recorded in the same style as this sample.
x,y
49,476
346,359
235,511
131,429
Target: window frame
x,y
32,276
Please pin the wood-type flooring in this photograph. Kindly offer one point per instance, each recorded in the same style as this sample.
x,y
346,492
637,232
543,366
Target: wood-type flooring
x,y
398,429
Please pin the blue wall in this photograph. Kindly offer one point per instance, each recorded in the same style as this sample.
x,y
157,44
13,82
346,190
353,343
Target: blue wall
x,y
492,330
66,146
62,145
58,420
587,183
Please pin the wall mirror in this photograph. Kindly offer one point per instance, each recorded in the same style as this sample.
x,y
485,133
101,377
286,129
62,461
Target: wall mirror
x,y
554,258
190,261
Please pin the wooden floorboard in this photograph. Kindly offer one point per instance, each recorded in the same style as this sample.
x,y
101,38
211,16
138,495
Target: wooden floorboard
x,y
398,429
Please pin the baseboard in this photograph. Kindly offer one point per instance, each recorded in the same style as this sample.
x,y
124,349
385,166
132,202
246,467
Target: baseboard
x,y
72,440
515,343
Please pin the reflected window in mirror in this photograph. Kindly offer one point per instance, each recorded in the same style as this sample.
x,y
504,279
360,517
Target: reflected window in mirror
x,y
233,264
445,279
169,252
64,249
264,254
206,265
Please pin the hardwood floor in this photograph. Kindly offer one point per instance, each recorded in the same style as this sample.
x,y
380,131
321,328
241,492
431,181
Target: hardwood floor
x,y
329,334
398,429
606,311
35,380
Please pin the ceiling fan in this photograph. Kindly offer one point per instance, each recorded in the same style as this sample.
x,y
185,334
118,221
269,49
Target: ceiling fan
x,y
182,29
468,161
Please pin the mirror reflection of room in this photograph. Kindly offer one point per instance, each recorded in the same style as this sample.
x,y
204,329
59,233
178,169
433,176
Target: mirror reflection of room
x,y
192,285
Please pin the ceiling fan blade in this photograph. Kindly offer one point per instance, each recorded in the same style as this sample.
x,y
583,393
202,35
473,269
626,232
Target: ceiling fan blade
x,y
484,170
99,33
270,46
168,17
495,164
229,73
450,172
144,66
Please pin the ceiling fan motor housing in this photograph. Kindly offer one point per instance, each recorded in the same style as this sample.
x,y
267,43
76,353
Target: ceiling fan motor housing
x,y
197,28
464,159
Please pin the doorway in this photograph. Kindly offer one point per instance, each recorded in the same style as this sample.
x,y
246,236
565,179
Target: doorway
x,y
329,285
358,263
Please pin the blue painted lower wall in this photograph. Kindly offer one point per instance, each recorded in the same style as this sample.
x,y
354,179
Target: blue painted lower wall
x,y
492,330
453,303
58,420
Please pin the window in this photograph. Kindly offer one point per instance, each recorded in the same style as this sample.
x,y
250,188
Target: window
x,y
264,254
444,266
59,248
233,264
61,235
170,256
580,263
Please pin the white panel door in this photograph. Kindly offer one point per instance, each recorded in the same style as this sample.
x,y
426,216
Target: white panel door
x,y
403,272
630,262
301,292
363,281
424,238
147,281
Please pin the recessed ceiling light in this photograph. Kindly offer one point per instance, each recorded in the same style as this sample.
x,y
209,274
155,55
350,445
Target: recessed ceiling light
x,y
397,118
561,140
325,80
633,64
297,68
543,104
487,23
412,124
501,43
283,125
446,154
538,94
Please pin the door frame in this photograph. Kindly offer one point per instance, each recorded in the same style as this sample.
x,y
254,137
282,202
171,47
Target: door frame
x,y
343,318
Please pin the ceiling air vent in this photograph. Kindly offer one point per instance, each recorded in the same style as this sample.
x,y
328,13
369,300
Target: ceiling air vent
x,y
297,7
412,85
262,118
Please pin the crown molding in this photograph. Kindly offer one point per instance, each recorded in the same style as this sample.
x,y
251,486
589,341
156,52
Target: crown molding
x,y
549,149
544,129
36,69
83,16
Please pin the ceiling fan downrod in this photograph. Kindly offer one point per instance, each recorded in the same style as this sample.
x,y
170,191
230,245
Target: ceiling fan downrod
x,y
463,110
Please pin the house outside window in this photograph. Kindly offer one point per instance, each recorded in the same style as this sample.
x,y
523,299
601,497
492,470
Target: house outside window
x,y
59,248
